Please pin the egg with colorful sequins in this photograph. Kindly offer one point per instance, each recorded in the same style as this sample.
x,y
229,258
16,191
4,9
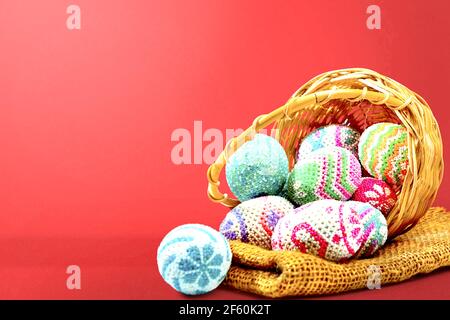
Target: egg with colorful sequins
x,y
329,136
383,152
377,193
375,230
327,173
258,168
194,259
325,228
253,221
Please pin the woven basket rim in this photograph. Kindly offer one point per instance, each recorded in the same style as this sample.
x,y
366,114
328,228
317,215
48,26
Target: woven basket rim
x,y
355,85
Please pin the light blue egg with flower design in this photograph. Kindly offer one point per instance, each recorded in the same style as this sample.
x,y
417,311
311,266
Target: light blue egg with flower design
x,y
194,259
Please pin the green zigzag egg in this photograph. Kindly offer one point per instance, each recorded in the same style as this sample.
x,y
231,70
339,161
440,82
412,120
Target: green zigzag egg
x,y
328,173
383,152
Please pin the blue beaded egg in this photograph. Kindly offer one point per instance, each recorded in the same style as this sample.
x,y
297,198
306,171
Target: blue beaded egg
x,y
194,259
258,168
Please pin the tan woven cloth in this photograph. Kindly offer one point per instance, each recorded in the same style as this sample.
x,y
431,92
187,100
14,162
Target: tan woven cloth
x,y
423,249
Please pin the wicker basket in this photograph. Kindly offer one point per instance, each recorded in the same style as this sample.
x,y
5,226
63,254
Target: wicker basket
x,y
359,98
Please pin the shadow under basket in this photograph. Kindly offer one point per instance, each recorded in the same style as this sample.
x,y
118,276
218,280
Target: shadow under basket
x,y
357,98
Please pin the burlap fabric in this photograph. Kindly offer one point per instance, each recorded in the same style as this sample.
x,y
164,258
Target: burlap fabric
x,y
422,249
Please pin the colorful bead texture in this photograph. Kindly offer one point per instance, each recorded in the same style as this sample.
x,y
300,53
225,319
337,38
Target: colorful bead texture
x,y
327,173
253,221
194,259
377,193
258,168
383,152
374,226
325,228
330,136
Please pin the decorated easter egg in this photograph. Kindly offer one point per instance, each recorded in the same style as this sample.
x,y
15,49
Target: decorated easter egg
x,y
376,193
325,228
253,221
284,191
194,259
258,168
383,152
329,136
327,173
374,225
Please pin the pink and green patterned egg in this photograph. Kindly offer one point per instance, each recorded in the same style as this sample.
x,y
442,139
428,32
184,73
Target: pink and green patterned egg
x,y
383,152
326,228
327,173
377,193
253,221
329,136
375,228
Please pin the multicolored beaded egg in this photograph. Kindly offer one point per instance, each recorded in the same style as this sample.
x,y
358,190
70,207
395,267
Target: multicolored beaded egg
x,y
253,221
194,259
327,173
258,168
374,226
383,152
329,136
325,228
376,193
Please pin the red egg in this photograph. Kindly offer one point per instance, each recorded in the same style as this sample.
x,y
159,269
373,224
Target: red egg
x,y
376,193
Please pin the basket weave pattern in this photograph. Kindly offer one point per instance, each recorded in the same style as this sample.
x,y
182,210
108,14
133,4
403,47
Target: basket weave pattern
x,y
359,98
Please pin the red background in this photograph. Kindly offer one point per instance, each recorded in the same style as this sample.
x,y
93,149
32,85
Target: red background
x,y
86,118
